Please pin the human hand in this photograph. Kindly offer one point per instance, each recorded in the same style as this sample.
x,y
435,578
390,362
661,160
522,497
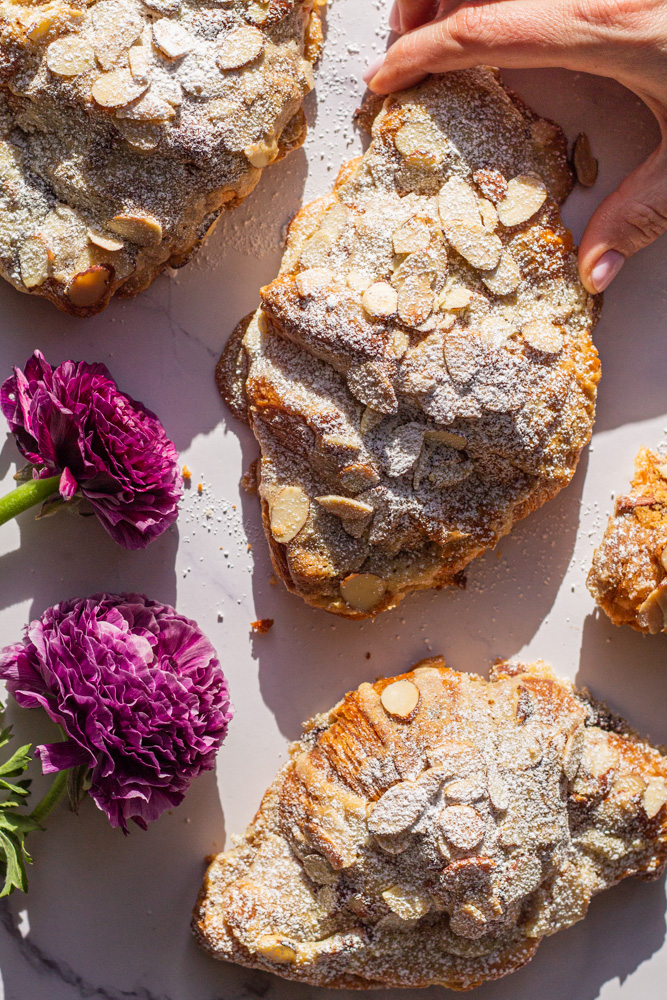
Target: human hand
x,y
622,39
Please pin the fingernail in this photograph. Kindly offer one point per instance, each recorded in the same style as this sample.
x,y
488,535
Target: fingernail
x,y
606,269
374,68
395,18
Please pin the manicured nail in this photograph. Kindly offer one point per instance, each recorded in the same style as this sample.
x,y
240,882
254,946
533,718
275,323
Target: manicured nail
x,y
606,269
395,18
374,68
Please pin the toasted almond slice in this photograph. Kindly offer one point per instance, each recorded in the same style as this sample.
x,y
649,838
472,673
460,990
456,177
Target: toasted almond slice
x,y
317,249
475,244
34,262
313,280
662,470
358,282
358,476
505,277
116,25
420,143
142,136
144,230
447,437
240,48
171,38
400,699
104,241
655,797
415,300
275,949
489,214
465,790
288,514
455,298
491,183
543,336
458,203
652,614
413,236
261,154
70,56
363,591
149,108
462,826
405,904
164,6
400,341
369,384
403,449
319,870
380,300
585,164
344,507
398,809
89,287
525,196
370,419
139,59
117,89
629,786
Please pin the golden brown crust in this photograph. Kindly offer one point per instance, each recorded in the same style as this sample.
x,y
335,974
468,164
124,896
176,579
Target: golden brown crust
x,y
432,828
628,578
421,374
127,128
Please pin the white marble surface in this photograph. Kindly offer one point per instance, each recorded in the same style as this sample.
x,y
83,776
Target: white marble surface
x,y
107,917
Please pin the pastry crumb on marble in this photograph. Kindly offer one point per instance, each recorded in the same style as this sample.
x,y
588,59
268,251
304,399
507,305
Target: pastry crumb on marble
x,y
421,374
628,578
433,828
126,128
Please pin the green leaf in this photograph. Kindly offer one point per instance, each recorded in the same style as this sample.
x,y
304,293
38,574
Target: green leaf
x,y
17,763
77,785
15,876
14,825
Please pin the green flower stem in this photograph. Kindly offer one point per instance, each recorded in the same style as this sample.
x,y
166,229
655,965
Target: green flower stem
x,y
51,799
27,495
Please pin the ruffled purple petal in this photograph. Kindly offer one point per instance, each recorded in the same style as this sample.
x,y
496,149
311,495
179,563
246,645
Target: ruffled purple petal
x,y
138,691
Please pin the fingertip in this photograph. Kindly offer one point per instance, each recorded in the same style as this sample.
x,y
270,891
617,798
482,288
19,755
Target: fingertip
x,y
604,271
373,69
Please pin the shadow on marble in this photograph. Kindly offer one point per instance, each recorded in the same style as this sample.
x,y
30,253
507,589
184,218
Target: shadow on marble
x,y
628,671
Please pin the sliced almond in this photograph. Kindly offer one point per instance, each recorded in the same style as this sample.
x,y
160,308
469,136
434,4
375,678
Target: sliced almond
x,y
398,809
662,471
449,438
363,591
491,183
454,299
105,242
415,300
142,136
370,384
274,949
370,419
462,356
240,48
403,449
465,790
319,870
400,341
70,56
420,143
543,336
261,154
144,230
489,214
345,508
140,62
312,281
149,108
317,249
171,38
585,164
458,203
462,826
358,281
380,300
479,247
413,235
629,786
117,89
116,26
405,904
652,614
34,262
400,699
90,287
655,797
289,513
525,196
358,476
505,278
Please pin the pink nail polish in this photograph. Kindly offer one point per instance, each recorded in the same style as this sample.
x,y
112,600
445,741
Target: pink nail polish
x,y
606,269
395,18
374,68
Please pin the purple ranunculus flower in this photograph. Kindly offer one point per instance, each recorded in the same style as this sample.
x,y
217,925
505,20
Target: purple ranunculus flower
x,y
136,688
74,421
